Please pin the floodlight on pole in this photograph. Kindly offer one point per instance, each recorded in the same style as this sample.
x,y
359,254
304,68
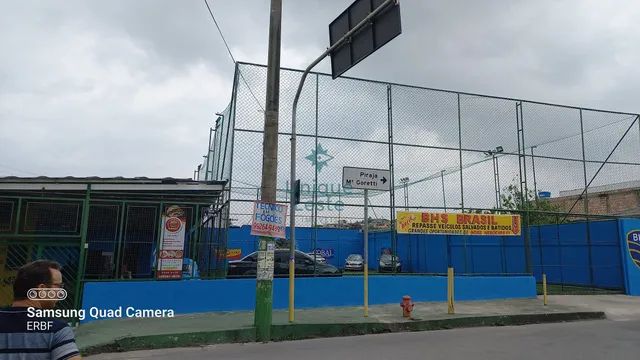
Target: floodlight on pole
x,y
496,173
405,182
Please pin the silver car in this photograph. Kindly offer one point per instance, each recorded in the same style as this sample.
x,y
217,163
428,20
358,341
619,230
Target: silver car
x,y
387,263
354,262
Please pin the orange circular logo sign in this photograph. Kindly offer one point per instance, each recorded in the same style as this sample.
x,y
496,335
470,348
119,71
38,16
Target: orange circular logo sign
x,y
173,224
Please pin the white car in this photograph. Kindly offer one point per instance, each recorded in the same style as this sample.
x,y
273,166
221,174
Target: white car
x,y
354,262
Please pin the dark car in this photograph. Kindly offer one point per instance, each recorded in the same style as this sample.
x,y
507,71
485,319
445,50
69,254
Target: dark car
x,y
387,263
304,265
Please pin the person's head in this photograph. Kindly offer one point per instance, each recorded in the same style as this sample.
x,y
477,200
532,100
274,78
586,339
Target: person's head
x,y
37,274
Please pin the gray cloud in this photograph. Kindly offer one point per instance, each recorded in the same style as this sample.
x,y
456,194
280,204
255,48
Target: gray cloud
x,y
130,87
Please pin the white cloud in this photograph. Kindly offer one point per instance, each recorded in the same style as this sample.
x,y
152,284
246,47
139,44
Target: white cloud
x,y
131,88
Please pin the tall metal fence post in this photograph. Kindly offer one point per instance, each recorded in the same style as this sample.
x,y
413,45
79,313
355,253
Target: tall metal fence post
x,y
314,221
392,192
460,149
16,231
121,231
464,238
560,266
586,203
158,239
196,236
524,191
84,228
533,168
540,250
220,123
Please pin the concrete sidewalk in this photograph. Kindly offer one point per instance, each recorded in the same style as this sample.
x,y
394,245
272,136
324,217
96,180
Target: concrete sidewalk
x,y
615,307
206,328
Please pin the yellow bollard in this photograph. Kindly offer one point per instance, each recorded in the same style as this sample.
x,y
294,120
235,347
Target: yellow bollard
x,y
544,289
450,287
292,269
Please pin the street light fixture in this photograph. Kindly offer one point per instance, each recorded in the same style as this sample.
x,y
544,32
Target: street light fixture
x,y
405,182
496,172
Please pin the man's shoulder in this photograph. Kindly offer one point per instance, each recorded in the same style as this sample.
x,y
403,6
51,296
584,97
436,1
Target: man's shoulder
x,y
31,335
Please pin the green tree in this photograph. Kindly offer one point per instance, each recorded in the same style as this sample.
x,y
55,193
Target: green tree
x,y
541,211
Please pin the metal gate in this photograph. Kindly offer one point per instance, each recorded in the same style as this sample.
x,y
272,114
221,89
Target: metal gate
x,y
40,228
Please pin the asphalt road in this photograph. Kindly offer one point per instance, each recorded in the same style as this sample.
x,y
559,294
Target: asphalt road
x,y
602,339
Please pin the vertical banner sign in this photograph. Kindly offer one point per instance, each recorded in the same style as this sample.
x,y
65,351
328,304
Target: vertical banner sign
x,y
172,244
457,224
269,220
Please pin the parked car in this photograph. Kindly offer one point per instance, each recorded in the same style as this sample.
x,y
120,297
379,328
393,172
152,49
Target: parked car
x,y
354,262
387,261
319,258
305,265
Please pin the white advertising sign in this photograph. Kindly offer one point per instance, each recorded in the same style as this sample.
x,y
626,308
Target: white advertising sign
x,y
269,220
365,179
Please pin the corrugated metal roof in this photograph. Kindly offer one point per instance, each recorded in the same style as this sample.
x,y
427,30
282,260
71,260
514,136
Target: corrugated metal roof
x,y
103,180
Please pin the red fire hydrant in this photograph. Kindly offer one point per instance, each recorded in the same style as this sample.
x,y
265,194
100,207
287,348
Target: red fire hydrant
x,y
407,306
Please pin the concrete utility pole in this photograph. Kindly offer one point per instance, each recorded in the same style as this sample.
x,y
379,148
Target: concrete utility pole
x,y
264,288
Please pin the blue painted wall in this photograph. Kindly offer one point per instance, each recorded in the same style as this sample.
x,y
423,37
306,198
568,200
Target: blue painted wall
x,y
418,253
631,269
343,242
239,294
562,252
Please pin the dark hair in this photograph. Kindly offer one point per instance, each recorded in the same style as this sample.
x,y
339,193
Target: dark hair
x,y
31,275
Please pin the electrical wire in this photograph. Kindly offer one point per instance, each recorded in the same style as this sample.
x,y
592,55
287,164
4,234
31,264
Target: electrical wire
x,y
219,31
231,55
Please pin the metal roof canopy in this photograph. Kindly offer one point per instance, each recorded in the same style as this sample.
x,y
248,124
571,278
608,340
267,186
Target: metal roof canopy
x,y
123,187
383,28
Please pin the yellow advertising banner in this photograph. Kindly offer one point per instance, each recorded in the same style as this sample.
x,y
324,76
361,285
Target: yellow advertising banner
x,y
234,254
457,223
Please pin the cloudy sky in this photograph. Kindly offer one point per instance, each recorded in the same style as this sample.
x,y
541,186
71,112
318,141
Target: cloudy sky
x,y
130,88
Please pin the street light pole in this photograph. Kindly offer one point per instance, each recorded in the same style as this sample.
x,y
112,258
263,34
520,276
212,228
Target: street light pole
x,y
264,287
292,207
206,171
496,172
444,196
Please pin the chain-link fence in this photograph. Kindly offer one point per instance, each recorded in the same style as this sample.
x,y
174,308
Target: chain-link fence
x,y
447,151
107,235
39,228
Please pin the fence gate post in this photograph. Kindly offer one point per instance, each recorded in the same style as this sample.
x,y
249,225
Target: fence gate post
x,y
84,226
